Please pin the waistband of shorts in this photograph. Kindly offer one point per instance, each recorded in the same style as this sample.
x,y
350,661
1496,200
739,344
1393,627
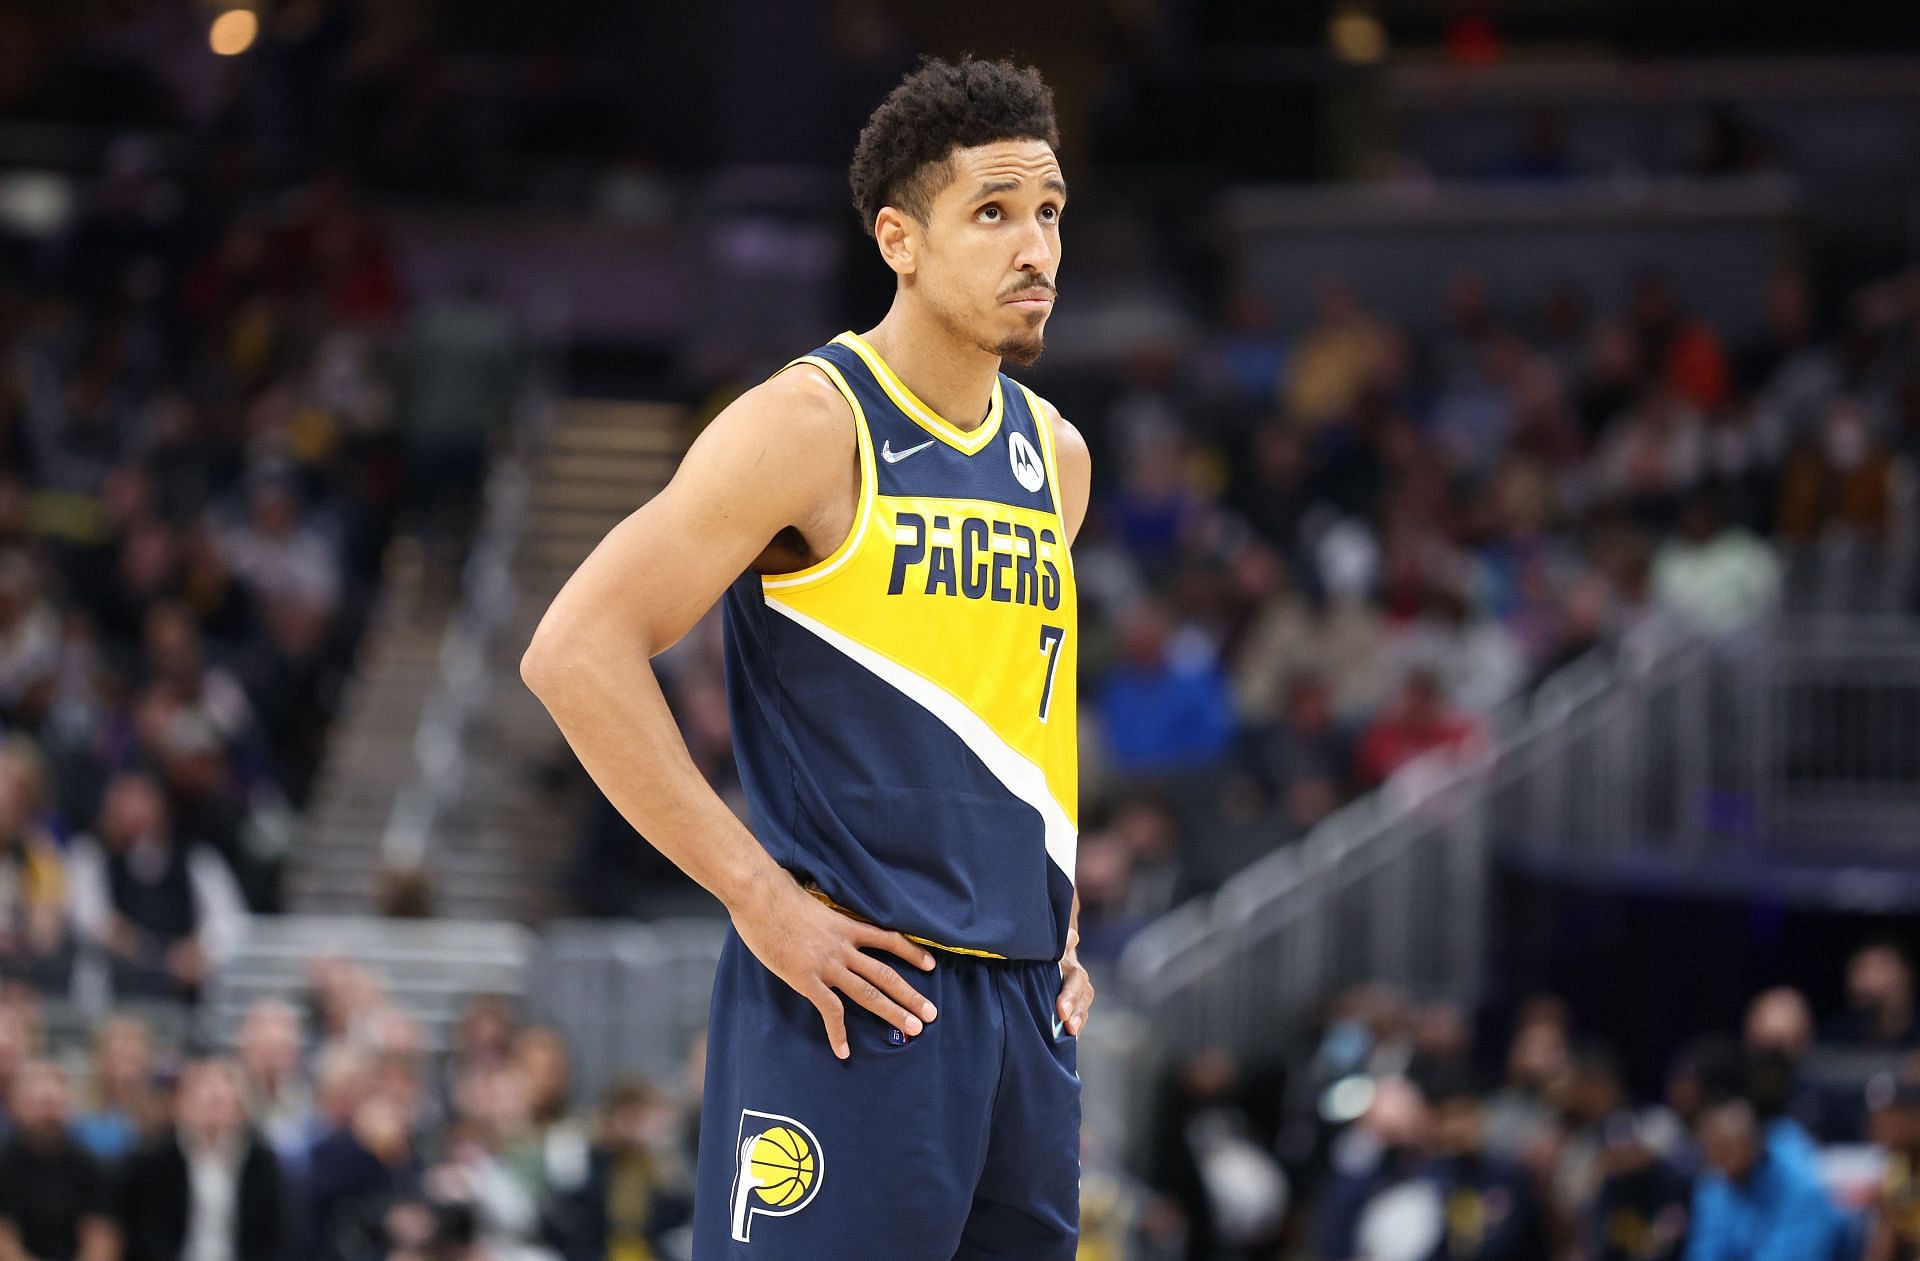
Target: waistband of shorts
x,y
967,952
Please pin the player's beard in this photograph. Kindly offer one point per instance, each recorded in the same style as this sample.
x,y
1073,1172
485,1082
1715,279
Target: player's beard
x,y
1022,348
1019,348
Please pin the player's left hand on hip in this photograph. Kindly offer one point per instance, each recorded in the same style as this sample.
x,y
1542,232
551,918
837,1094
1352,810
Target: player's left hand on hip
x,y
1076,993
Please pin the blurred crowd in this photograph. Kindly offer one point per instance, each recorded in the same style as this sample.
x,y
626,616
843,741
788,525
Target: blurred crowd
x,y
205,395
1394,1134
1320,553
335,1132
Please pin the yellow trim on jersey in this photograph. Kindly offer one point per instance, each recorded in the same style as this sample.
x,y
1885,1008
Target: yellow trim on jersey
x,y
817,892
967,440
1044,423
868,481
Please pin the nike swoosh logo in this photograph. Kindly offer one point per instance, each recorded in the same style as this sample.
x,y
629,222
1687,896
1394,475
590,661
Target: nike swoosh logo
x,y
891,456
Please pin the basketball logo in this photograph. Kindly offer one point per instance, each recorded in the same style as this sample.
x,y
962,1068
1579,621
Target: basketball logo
x,y
1027,469
777,1169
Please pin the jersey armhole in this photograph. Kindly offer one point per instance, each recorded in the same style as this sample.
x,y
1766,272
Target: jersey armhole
x,y
1038,407
863,512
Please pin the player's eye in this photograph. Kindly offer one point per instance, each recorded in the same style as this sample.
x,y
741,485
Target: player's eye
x,y
986,209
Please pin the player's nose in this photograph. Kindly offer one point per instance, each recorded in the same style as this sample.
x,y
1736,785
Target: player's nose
x,y
1036,251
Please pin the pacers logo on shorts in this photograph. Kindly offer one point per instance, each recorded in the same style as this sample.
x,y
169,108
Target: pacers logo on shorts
x,y
777,1168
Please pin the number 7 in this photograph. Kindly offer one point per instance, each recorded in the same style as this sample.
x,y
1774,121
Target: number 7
x,y
1051,637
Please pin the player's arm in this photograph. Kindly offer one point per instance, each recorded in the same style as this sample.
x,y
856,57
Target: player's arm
x,y
773,458
1076,488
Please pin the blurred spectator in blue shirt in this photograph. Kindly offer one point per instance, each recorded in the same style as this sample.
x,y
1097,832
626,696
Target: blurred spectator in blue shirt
x,y
1164,710
1753,1203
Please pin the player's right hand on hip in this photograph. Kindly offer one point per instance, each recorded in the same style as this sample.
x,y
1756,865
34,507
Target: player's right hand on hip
x,y
817,950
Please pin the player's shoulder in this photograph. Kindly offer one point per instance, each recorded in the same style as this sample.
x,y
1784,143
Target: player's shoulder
x,y
798,413
778,447
1069,443
802,395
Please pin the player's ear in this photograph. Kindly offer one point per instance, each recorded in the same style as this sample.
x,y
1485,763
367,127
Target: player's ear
x,y
899,239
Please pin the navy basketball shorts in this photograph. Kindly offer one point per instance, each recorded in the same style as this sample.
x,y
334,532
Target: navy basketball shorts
x,y
961,1143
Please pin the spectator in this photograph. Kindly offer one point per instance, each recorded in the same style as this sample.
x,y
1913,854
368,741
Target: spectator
x,y
1683,353
1750,1204
29,634
1838,482
1893,1232
558,1152
269,1050
340,1081
1651,456
1274,487
1714,577
1790,374
1609,377
1591,1094
55,1202
33,894
123,1105
1306,757
1584,628
482,1037
1281,636
210,1188
1523,566
1102,877
1538,1060
1491,1211
1474,659
1880,1001
358,1171
1286,636
494,1154
164,910
1334,360
175,656
1640,1213
275,555
1161,711
1209,1155
1247,354
1442,1042
14,1049
1418,721
640,1185
1148,830
1154,509
1382,1158
1778,1036
345,996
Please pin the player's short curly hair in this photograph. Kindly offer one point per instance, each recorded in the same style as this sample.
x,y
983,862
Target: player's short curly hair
x,y
905,154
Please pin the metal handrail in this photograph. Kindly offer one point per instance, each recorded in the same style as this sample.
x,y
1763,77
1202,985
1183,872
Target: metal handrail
x,y
1213,961
488,597
1672,750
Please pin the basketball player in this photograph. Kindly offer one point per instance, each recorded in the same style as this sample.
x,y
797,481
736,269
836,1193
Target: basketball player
x,y
886,520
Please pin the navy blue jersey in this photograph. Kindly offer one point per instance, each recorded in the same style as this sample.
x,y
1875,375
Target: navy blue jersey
x,y
904,710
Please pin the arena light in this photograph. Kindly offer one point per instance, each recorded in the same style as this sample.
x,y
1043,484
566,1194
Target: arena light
x,y
1356,36
233,32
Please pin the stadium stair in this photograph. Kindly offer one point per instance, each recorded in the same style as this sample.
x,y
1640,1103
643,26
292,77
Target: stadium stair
x,y
499,852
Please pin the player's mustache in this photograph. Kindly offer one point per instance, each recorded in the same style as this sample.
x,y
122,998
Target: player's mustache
x,y
1043,289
